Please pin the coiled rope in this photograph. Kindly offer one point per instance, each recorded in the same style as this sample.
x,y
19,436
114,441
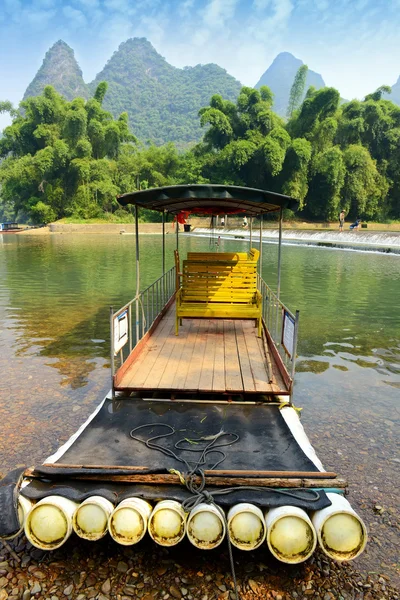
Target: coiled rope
x,y
196,469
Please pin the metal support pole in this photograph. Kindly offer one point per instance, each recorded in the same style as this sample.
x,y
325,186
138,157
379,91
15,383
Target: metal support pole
x,y
112,351
137,273
278,292
261,254
296,330
163,256
163,242
251,231
177,233
130,332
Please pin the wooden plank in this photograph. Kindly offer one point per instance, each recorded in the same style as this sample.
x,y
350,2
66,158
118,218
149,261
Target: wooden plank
x,y
233,376
140,346
141,369
178,342
186,356
257,359
245,367
196,362
278,360
219,359
150,351
160,365
277,383
273,482
207,371
207,472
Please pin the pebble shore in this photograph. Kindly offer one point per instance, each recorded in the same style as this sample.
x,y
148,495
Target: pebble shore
x,y
106,571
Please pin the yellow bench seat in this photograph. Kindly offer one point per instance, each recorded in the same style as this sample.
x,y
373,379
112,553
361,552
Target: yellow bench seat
x,y
219,289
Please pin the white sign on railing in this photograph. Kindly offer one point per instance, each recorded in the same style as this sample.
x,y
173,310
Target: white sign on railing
x,y
120,331
288,333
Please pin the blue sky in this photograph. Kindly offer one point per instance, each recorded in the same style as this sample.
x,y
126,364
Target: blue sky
x,y
354,44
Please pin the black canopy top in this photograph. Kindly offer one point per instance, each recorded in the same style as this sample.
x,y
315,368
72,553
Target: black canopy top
x,y
209,199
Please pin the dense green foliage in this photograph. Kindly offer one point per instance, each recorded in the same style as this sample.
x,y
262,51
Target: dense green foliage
x,y
162,101
297,90
60,70
63,159
279,78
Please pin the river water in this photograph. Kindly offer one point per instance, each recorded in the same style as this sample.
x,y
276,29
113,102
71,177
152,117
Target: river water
x,y
55,293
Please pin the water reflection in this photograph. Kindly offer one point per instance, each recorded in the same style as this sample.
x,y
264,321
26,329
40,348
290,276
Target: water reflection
x,y
55,294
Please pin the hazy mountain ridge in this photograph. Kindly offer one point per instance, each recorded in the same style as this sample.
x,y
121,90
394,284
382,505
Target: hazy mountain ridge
x,y
162,101
279,77
61,70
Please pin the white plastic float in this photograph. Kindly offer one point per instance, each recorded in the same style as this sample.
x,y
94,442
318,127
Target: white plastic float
x,y
127,524
90,519
291,536
167,523
246,526
49,523
205,527
342,534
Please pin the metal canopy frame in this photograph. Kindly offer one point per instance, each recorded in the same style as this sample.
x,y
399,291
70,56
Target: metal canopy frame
x,y
209,199
202,199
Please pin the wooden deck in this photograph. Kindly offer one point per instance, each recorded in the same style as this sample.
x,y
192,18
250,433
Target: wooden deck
x,y
208,356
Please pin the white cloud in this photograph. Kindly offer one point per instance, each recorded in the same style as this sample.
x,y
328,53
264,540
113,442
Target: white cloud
x,y
88,4
261,5
75,17
218,12
45,3
39,19
185,8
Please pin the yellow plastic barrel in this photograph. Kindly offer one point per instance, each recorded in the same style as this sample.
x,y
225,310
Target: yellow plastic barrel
x,y
291,536
24,506
205,526
90,519
49,523
166,523
342,534
246,526
128,521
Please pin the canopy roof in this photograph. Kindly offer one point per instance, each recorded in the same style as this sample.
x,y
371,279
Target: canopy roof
x,y
209,199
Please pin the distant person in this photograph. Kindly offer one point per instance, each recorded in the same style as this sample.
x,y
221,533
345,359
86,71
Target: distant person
x,y
341,220
355,225
222,222
245,221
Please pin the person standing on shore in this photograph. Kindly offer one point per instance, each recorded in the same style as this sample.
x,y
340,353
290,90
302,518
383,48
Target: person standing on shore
x,y
341,220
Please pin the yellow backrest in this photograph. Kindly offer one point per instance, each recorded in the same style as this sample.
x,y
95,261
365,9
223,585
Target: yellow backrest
x,y
252,255
219,281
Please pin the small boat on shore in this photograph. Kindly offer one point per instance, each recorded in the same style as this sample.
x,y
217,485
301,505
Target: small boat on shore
x,y
9,227
198,437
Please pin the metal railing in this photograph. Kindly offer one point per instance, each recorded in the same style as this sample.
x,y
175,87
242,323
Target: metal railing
x,y
281,324
140,314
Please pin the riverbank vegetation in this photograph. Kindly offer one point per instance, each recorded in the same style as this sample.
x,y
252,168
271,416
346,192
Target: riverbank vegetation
x,y
63,159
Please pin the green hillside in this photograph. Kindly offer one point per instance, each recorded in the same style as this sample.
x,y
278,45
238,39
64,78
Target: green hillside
x,y
59,69
162,101
279,78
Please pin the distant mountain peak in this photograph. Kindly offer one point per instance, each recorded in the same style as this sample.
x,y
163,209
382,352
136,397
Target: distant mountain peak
x,y
61,70
280,75
162,101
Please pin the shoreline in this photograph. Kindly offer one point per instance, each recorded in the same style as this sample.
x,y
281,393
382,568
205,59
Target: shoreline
x,y
204,223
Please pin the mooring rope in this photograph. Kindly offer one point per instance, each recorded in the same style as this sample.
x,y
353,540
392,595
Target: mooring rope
x,y
196,469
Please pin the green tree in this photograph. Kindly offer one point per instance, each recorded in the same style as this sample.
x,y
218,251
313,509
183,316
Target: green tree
x,y
297,90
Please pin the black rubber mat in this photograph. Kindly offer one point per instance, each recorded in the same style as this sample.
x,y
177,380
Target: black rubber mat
x,y
265,498
265,442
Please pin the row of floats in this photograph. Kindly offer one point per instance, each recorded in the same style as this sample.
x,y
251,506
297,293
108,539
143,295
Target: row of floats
x,y
290,533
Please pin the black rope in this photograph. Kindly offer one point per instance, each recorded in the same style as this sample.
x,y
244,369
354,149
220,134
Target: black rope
x,y
194,470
